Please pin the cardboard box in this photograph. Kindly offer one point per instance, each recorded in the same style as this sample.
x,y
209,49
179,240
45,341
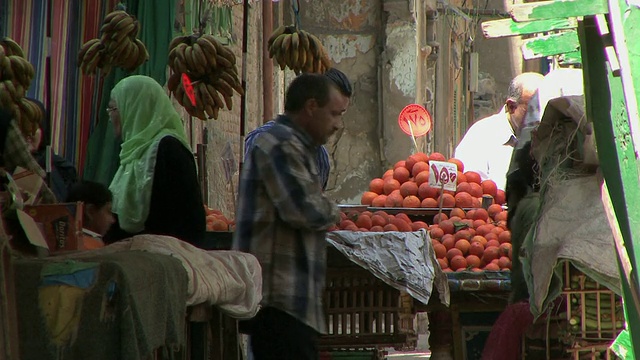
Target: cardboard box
x,y
59,224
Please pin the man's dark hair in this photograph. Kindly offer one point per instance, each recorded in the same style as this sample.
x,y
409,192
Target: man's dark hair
x,y
305,87
340,79
90,192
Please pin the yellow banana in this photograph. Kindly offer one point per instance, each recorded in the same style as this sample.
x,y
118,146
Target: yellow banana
x,y
302,58
224,88
213,92
84,48
177,51
179,65
277,32
117,13
304,39
286,45
229,101
177,41
209,51
11,47
199,58
189,59
121,35
315,44
223,62
124,22
7,71
277,44
221,50
173,82
143,54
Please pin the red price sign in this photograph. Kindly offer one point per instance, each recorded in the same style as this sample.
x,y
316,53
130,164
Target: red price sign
x,y
414,120
188,88
443,173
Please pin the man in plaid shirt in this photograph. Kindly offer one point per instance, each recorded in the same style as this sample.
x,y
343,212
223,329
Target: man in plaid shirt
x,y
283,216
322,158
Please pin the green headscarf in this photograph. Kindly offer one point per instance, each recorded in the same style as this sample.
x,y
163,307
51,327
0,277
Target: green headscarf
x,y
147,115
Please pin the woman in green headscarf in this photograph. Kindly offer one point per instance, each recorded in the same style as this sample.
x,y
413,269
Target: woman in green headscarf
x,y
156,188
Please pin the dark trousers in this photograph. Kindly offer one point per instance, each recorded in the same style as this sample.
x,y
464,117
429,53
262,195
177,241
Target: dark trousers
x,y
276,335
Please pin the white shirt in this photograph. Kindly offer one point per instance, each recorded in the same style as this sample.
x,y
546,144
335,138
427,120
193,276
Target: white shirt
x,y
487,147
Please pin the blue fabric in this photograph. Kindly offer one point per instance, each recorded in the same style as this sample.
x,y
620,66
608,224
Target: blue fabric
x,y
322,158
83,279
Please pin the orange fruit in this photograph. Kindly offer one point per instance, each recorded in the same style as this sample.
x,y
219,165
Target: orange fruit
x,y
377,220
448,202
387,174
473,261
463,200
505,249
478,223
409,188
463,187
451,253
440,250
411,202
346,223
463,245
422,177
401,225
219,225
444,264
367,198
404,217
417,225
504,237
364,221
436,156
492,267
429,203
379,201
461,177
401,174
458,163
500,197
390,227
447,226
420,167
491,236
390,185
377,186
476,190
491,253
492,242
394,199
476,248
473,177
501,216
436,233
438,218
377,228
481,214
400,163
425,191
449,243
494,209
457,212
462,234
422,156
410,162
504,263
489,187
458,263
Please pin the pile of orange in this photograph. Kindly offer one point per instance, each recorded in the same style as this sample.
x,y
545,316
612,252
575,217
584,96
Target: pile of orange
x,y
216,221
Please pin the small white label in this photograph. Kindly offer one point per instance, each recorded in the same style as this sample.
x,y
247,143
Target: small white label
x,y
441,172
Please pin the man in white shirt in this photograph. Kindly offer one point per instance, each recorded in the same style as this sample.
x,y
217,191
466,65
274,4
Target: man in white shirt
x,y
487,146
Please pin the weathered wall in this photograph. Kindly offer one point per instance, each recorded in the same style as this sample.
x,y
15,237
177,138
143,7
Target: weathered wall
x,y
350,31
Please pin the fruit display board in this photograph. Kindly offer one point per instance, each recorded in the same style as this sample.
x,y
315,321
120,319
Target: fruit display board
x,y
465,236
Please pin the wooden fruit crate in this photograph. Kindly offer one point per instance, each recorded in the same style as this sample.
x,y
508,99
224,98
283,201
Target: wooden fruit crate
x,y
363,312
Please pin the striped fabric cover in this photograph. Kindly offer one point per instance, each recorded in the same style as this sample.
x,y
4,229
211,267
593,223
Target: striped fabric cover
x,y
73,96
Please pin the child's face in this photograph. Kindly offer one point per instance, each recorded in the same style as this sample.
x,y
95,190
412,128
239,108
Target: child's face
x,y
99,220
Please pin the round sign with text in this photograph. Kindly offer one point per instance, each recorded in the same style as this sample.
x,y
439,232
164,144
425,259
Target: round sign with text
x,y
414,120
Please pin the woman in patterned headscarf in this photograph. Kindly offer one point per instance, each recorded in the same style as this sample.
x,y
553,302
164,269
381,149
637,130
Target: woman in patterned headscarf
x,y
156,188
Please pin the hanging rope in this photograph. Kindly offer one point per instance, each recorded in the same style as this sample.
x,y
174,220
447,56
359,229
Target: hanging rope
x,y
295,5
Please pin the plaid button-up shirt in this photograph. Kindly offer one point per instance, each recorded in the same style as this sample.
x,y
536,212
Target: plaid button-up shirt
x,y
322,156
282,219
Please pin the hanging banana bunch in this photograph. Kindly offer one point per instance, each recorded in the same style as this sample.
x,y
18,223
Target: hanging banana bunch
x,y
117,46
212,69
16,74
298,50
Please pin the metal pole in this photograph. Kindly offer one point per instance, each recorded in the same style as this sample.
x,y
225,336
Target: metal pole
x,y
243,98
